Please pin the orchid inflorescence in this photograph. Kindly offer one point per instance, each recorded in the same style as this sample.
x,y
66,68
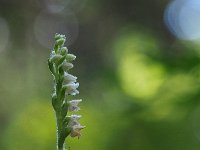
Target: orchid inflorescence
x,y
65,84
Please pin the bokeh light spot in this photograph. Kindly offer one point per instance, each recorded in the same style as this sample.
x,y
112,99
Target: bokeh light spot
x,y
141,76
47,24
182,17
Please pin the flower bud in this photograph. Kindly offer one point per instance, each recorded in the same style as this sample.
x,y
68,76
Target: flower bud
x,y
63,51
55,58
60,41
59,36
66,66
70,57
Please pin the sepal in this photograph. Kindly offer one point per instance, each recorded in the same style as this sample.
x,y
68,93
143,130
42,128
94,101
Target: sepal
x,y
54,101
51,67
62,94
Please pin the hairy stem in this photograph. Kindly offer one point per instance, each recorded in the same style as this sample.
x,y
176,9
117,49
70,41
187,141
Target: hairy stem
x,y
60,138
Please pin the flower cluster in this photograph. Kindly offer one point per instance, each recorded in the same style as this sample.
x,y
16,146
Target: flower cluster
x,y
60,62
76,126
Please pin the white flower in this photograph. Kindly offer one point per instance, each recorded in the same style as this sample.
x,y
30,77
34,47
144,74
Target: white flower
x,y
69,78
76,130
74,92
71,88
73,105
75,117
73,120
75,125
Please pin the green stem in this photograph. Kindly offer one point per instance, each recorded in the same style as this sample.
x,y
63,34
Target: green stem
x,y
60,137
59,119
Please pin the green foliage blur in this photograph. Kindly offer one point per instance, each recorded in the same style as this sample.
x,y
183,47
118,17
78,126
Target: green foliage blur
x,y
139,84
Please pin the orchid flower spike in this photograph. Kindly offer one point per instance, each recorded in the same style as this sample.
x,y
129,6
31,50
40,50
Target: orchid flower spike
x,y
65,84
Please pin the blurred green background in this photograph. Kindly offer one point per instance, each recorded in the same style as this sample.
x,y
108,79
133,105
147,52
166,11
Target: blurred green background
x,y
139,79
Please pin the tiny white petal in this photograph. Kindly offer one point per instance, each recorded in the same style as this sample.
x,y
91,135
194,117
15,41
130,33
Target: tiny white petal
x,y
78,126
71,88
74,92
69,78
74,120
75,117
73,85
75,101
73,105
